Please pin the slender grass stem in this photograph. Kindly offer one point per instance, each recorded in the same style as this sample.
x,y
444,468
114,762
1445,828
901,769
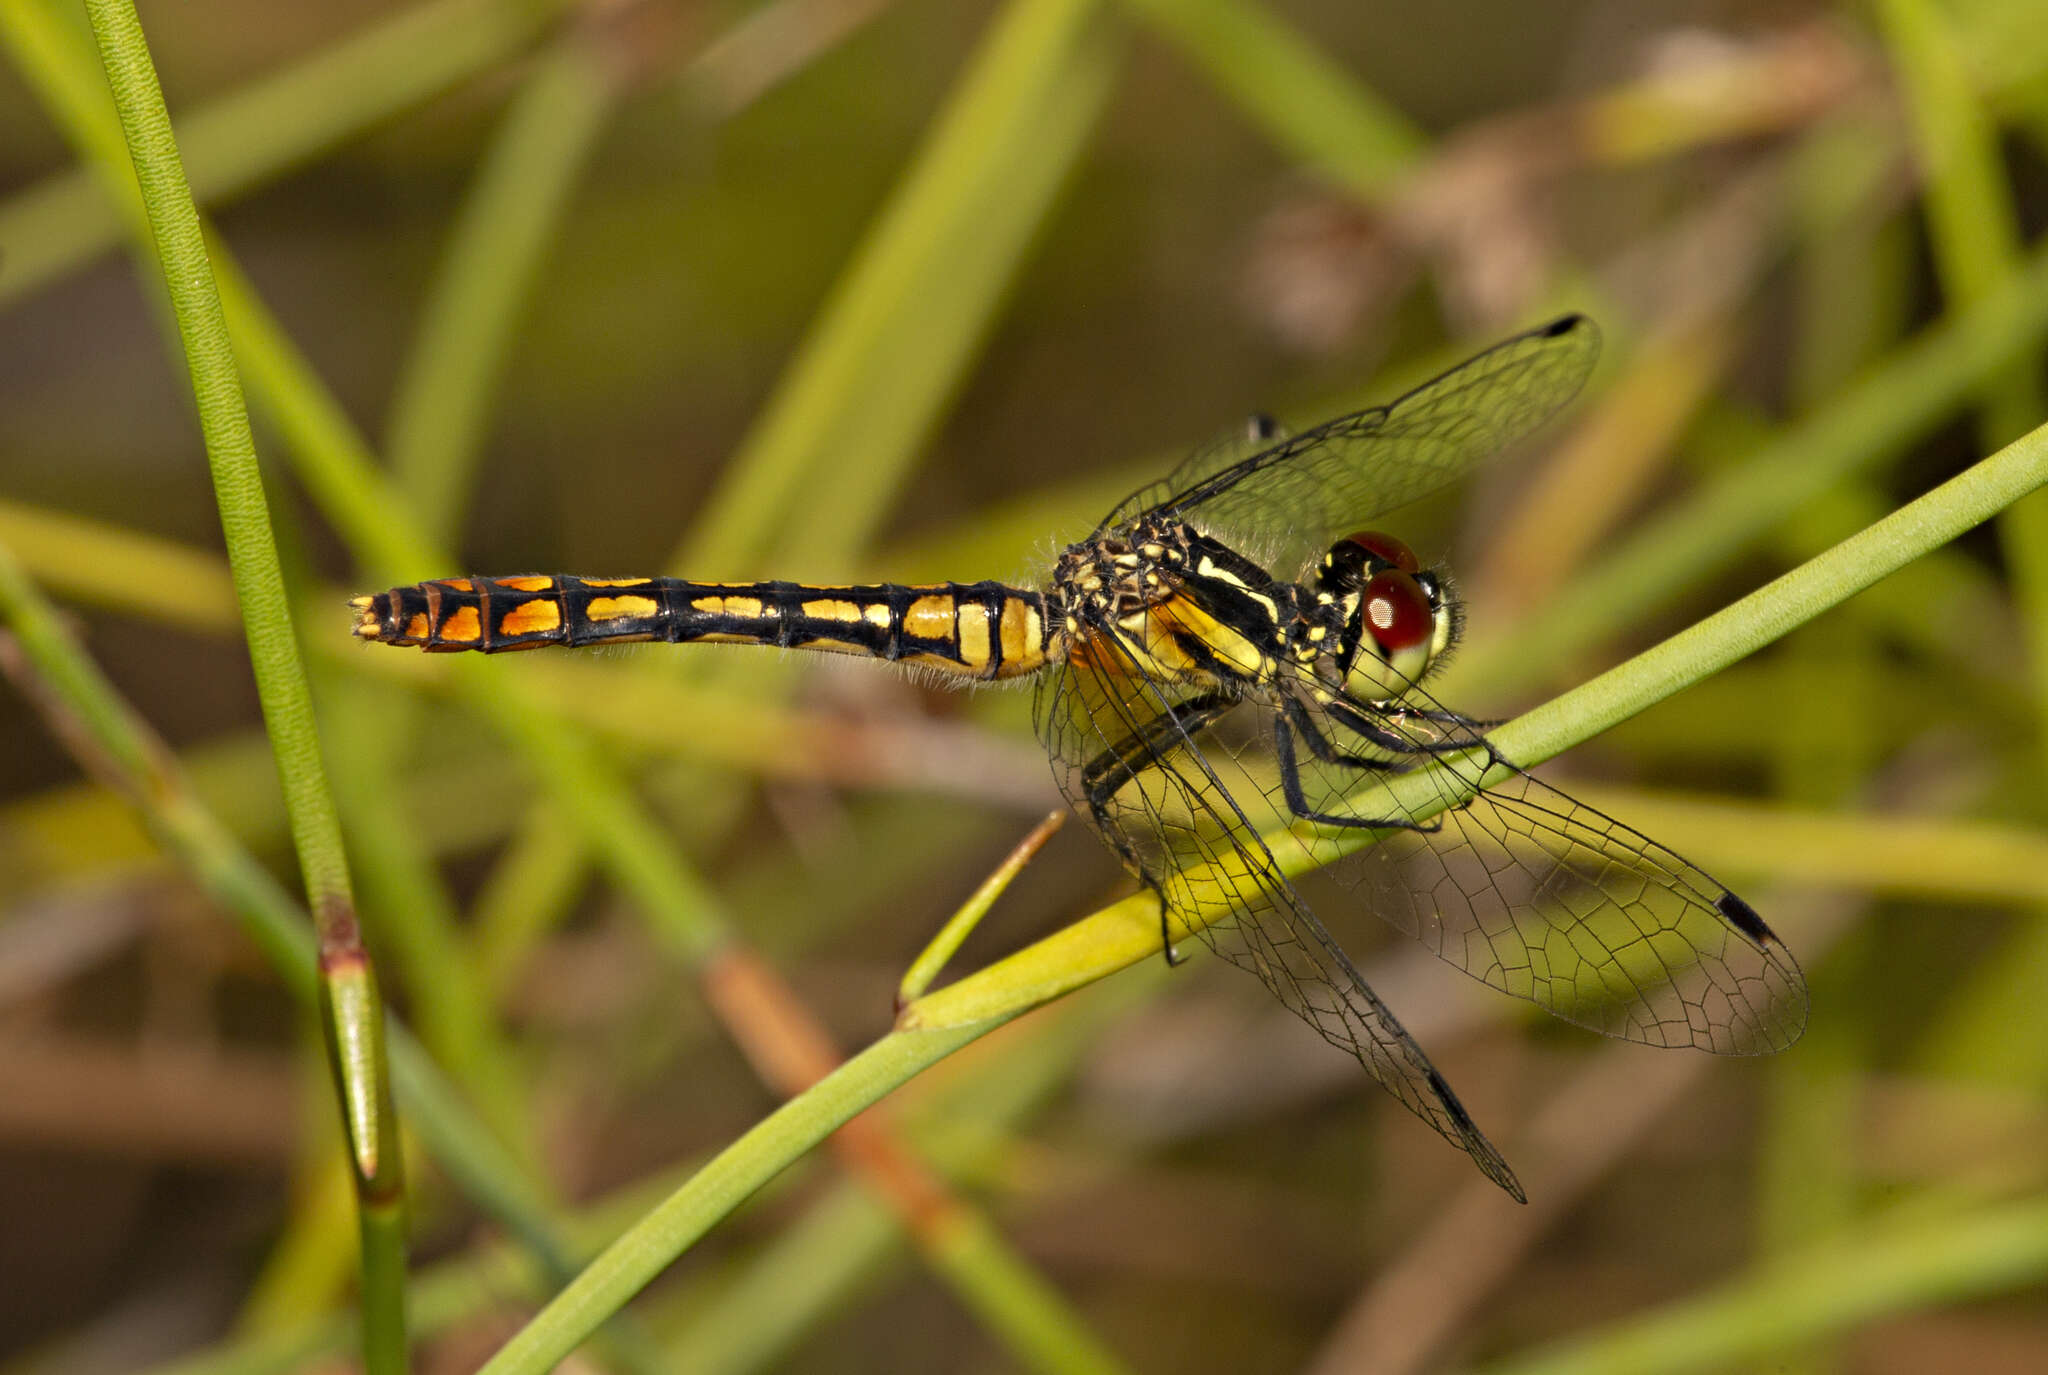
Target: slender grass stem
x,y
352,1013
113,742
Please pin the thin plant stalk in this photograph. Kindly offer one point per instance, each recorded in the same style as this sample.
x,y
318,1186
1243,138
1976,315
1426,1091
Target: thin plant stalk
x,y
351,1011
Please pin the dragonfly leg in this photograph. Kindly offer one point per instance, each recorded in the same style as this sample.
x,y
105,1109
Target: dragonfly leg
x,y
1475,725
1319,745
1173,956
1284,732
1105,826
1440,717
1393,741
1108,772
1144,747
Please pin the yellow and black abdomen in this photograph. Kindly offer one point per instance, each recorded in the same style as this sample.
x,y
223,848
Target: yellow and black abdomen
x,y
978,630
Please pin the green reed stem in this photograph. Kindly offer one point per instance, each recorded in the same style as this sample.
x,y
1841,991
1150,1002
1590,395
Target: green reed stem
x,y
351,1011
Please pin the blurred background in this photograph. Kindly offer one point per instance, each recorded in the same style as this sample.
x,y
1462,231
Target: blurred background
x,y
841,289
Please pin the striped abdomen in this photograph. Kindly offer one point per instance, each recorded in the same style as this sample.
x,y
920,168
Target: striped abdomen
x,y
975,630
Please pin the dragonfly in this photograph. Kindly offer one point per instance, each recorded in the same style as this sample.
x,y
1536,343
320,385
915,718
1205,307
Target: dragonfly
x,y
1230,655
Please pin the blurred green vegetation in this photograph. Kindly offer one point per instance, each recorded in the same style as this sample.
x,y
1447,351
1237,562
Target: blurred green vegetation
x,y
822,289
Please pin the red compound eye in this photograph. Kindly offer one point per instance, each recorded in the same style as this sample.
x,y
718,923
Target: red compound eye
x,y
1397,611
1386,549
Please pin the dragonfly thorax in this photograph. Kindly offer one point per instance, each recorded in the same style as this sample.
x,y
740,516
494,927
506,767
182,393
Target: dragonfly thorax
x,y
1177,604
1112,576
1387,621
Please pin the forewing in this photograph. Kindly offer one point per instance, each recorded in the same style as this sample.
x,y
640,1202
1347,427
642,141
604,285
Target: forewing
x,y
1539,895
1175,822
1287,502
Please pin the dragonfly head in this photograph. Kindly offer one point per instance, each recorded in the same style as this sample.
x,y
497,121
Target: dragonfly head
x,y
1397,619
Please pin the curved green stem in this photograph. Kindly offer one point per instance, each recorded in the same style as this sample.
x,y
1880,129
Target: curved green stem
x,y
1127,932
626,1266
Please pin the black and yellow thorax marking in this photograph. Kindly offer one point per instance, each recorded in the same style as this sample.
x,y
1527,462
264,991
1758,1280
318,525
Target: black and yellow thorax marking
x,y
984,630
1184,607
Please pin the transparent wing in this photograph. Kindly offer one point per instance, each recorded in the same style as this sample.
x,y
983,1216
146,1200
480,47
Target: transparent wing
x,y
1539,895
1288,501
1124,751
